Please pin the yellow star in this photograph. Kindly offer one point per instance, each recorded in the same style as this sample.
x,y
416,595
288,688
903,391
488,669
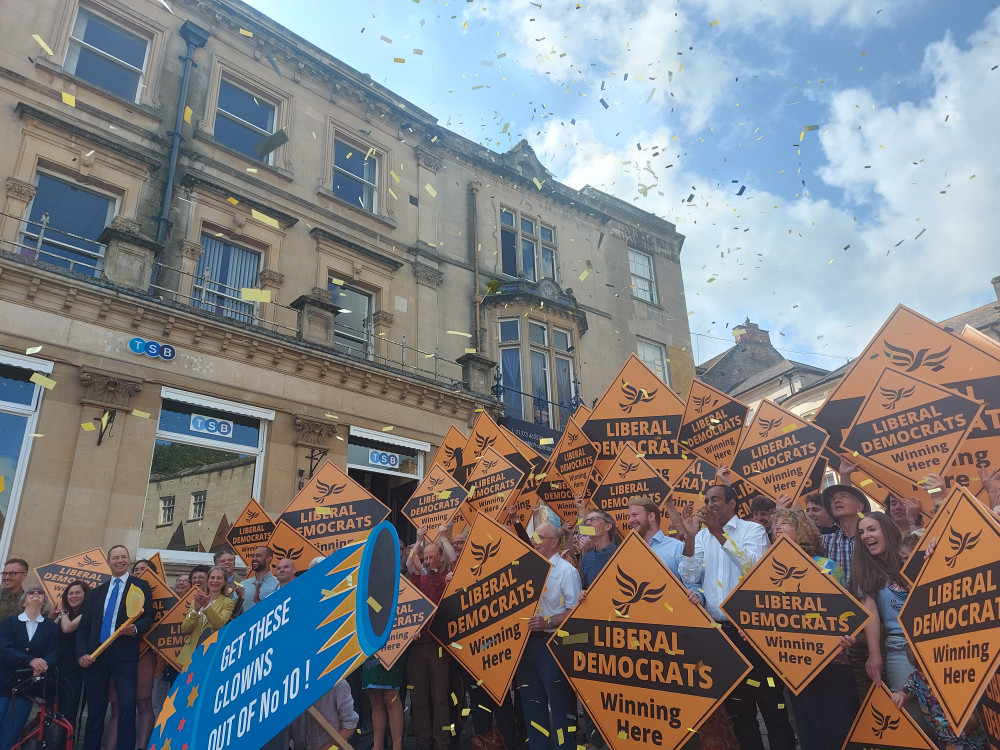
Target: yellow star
x,y
166,744
165,714
192,696
210,640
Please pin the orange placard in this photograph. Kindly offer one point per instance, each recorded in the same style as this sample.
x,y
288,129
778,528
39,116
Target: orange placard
x,y
712,423
813,483
90,566
482,616
950,616
648,665
287,542
333,510
556,493
435,501
493,481
413,611
486,435
910,343
462,521
155,561
778,451
165,637
163,599
252,529
881,726
630,475
640,411
793,613
989,708
450,453
574,456
916,560
910,427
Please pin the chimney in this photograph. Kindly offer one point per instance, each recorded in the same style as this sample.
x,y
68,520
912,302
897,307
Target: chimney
x,y
996,285
752,332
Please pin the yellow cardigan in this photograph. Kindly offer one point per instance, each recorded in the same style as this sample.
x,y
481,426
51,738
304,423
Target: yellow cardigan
x,y
214,616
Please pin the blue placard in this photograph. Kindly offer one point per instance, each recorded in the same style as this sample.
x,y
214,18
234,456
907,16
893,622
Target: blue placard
x,y
249,680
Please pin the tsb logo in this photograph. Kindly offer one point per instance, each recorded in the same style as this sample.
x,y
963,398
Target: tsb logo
x,y
152,349
211,426
383,458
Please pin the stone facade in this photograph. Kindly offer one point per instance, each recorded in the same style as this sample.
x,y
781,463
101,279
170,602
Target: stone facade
x,y
392,233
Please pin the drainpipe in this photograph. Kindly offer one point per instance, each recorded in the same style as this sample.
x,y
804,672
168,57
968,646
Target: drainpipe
x,y
473,193
196,37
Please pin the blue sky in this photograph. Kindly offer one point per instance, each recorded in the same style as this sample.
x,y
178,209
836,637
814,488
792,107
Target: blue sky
x,y
705,98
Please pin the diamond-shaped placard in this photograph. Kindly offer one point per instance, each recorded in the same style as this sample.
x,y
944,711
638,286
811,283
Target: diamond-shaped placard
x,y
435,502
712,423
574,456
793,613
628,476
910,427
482,616
413,611
252,530
493,481
881,726
649,665
951,617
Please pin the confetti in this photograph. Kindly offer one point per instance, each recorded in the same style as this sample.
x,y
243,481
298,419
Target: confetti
x,y
545,441
374,604
460,333
394,176
232,200
246,32
39,379
587,530
540,728
33,350
187,115
430,189
275,140
248,294
714,23
140,414
68,99
88,426
42,44
387,428
264,218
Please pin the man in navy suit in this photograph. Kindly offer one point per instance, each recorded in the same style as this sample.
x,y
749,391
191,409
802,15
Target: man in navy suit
x,y
103,612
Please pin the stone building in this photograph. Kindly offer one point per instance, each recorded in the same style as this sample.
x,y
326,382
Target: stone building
x,y
225,251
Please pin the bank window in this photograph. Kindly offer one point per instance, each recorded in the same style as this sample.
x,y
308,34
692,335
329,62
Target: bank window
x,y
243,119
167,509
544,364
355,174
63,224
527,247
20,400
353,326
223,271
643,278
654,356
203,446
107,55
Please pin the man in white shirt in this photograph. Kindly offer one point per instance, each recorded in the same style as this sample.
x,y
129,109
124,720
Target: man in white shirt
x,y
543,686
717,556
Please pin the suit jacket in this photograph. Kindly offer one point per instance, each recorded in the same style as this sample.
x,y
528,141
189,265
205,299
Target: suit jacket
x,y
125,647
17,652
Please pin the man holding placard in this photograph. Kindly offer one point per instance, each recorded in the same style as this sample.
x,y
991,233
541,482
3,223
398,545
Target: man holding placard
x,y
107,644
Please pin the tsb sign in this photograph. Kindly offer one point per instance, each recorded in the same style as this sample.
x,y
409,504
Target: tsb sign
x,y
211,426
383,458
152,349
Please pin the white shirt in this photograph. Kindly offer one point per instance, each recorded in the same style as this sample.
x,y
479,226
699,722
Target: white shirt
x,y
562,589
31,625
719,568
118,599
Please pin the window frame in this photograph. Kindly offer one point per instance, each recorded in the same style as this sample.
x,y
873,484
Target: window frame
x,y
370,152
661,350
366,337
199,498
31,412
539,245
227,78
232,303
114,204
265,416
651,279
167,506
146,34
553,354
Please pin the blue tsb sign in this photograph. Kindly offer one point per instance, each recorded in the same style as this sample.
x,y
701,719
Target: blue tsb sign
x,y
152,349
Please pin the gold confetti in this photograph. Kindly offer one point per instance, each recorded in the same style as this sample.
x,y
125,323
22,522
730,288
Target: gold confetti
x,y
88,426
246,32
374,604
545,441
460,333
187,115
387,428
68,99
140,414
540,728
39,379
394,176
232,200
587,530
714,23
430,189
248,294
42,44
33,350
264,218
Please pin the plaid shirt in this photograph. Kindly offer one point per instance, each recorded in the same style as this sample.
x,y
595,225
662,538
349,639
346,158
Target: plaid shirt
x,y
840,548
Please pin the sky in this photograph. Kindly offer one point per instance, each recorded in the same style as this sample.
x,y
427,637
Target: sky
x,y
825,160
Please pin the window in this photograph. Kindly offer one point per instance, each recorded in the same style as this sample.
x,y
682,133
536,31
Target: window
x,y
198,504
547,361
107,56
353,325
243,120
526,246
76,218
643,280
654,356
355,174
167,509
20,400
203,446
223,271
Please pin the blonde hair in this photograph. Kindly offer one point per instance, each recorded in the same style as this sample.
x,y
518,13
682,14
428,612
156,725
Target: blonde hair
x,y
806,533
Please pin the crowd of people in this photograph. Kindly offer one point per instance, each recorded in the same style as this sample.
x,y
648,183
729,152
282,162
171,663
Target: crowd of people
x,y
861,548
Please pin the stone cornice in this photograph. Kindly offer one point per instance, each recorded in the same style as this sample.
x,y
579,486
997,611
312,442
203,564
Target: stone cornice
x,y
193,332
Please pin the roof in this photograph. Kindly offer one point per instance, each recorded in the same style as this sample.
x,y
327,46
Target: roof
x,y
978,317
740,362
782,368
